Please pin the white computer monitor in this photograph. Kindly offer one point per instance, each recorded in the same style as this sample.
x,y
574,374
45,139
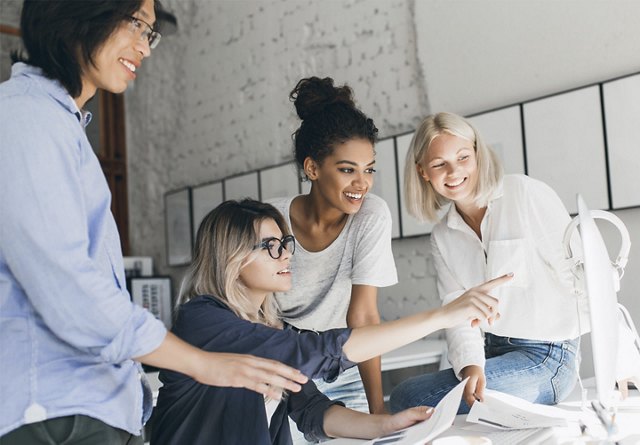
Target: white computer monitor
x,y
603,306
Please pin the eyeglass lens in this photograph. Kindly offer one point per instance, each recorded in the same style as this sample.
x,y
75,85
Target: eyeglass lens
x,y
146,31
276,246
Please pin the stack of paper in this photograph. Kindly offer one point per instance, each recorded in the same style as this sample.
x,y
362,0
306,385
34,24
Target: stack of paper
x,y
504,411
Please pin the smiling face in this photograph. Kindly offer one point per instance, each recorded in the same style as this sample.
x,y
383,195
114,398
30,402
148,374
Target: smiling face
x,y
262,274
451,166
344,177
116,61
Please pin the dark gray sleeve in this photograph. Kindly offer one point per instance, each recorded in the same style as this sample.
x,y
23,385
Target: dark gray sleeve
x,y
307,409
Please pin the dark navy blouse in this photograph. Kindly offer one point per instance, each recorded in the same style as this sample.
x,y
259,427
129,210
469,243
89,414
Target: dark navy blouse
x,y
188,412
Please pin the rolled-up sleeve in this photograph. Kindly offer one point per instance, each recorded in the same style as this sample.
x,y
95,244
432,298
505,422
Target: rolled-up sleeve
x,y
307,409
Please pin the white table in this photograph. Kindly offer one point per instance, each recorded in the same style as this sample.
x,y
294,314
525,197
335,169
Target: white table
x,y
627,420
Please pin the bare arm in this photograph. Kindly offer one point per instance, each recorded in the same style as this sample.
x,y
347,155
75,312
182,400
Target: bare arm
x,y
264,376
363,311
343,422
474,305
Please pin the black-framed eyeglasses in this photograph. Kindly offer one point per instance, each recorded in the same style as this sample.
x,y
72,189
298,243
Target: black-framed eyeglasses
x,y
144,30
275,246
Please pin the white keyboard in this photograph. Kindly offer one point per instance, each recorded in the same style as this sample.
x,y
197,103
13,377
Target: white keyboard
x,y
514,437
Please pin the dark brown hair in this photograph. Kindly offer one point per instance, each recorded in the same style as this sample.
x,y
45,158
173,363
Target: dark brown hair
x,y
329,118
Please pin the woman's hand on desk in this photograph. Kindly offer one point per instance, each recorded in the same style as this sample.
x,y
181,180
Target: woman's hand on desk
x,y
474,389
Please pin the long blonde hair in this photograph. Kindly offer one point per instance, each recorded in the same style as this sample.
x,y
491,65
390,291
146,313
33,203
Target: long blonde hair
x,y
226,237
421,199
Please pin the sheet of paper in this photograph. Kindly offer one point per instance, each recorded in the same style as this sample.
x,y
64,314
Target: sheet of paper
x,y
504,411
443,416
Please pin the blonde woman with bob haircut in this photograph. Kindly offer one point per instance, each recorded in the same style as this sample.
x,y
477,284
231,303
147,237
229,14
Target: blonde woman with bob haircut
x,y
242,256
495,223
422,200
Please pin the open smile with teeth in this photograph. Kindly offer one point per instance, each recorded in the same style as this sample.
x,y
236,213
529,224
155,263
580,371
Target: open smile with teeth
x,y
356,196
287,270
454,185
130,66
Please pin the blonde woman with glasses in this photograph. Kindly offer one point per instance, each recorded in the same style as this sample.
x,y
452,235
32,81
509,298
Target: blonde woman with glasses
x,y
495,223
242,256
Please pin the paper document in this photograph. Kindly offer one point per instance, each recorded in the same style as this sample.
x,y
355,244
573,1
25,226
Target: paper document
x,y
504,411
443,416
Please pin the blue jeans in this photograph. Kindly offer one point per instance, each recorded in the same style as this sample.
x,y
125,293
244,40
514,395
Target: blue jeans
x,y
347,388
538,371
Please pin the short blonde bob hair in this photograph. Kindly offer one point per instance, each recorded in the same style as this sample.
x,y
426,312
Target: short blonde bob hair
x,y
421,199
226,238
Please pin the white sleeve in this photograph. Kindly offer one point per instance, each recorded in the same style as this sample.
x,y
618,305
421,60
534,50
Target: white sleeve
x,y
465,344
373,262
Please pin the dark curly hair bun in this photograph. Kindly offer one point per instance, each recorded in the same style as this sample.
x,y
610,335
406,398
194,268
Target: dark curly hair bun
x,y
329,118
313,95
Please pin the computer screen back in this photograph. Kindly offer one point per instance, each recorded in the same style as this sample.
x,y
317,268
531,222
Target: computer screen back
x,y
599,284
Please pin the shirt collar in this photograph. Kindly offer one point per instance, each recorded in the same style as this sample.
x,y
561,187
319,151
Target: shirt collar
x,y
54,88
454,219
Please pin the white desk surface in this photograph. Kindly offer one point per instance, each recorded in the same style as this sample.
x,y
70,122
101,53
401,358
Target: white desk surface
x,y
627,420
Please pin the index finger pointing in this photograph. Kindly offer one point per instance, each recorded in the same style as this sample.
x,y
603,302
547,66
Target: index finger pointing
x,y
492,284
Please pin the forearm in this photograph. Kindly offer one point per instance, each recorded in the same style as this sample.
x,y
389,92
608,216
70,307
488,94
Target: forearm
x,y
372,382
267,377
363,311
371,341
366,314
176,355
343,422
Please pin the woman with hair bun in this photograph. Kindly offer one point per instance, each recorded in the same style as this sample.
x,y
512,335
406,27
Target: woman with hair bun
x,y
343,231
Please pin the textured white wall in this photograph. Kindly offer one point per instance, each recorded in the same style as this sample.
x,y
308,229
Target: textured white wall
x,y
10,13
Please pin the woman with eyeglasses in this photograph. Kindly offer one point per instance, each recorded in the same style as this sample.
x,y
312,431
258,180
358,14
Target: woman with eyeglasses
x,y
343,231
242,256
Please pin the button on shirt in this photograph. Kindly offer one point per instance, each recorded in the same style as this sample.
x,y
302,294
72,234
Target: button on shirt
x,y
68,329
522,232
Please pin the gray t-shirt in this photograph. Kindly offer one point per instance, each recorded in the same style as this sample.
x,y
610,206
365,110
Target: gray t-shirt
x,y
321,290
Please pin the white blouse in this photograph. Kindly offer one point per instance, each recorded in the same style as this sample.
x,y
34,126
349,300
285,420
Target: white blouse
x,y
522,232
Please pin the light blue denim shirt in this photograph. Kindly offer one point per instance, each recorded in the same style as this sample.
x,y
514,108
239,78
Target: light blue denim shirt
x,y
68,329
